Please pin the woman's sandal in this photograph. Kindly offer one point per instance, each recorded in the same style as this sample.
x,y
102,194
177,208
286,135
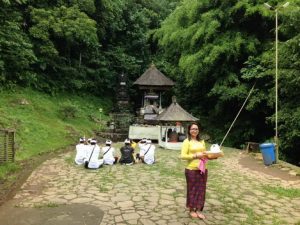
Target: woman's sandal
x,y
201,216
194,214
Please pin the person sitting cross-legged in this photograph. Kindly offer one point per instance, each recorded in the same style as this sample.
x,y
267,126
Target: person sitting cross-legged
x,y
80,152
141,144
108,153
147,152
92,160
127,153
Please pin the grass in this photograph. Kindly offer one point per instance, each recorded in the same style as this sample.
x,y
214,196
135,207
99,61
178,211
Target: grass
x,y
103,189
41,124
70,159
46,205
213,164
283,192
8,168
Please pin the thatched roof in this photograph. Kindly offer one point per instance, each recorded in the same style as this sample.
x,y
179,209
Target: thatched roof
x,y
153,77
175,113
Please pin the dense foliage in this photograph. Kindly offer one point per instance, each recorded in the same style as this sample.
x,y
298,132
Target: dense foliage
x,y
76,46
218,50
214,50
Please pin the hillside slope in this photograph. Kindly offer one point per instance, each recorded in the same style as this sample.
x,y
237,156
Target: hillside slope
x,y
45,123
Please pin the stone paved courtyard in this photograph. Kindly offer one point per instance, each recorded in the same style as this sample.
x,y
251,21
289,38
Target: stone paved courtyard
x,y
155,194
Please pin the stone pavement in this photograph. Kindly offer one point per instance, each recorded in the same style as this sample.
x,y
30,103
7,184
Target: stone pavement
x,y
155,194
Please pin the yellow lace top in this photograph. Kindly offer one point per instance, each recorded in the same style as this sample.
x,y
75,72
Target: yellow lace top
x,y
189,148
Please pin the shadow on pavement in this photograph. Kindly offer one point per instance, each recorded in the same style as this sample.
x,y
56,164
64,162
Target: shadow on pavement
x,y
74,214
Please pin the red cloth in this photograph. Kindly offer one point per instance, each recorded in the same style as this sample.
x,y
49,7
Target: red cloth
x,y
196,188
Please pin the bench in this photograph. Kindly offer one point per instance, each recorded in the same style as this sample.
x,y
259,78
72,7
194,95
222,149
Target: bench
x,y
252,147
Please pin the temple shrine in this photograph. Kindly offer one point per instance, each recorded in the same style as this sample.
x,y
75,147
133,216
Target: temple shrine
x,y
155,122
151,85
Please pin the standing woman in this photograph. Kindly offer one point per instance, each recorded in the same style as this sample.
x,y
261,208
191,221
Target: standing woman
x,y
193,150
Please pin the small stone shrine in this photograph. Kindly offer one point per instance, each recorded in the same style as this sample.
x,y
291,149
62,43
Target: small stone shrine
x,y
121,118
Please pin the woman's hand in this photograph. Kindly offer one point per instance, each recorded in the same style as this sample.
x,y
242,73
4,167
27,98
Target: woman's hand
x,y
200,155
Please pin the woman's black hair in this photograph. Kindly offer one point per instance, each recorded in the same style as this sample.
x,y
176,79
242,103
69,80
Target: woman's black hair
x,y
189,128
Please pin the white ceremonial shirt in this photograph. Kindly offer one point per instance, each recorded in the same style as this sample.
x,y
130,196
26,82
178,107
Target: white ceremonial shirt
x,y
141,147
93,157
108,155
80,154
148,154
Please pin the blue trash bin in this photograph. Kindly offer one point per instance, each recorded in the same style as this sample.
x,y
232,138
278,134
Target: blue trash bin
x,y
268,153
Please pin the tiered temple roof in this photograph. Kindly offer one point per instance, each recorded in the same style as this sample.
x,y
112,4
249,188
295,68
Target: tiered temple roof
x,y
154,79
175,113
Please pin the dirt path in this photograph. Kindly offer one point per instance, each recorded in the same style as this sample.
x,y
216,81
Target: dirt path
x,y
276,171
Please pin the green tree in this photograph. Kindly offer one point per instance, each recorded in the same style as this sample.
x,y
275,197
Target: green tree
x,y
221,48
124,28
262,69
16,50
66,42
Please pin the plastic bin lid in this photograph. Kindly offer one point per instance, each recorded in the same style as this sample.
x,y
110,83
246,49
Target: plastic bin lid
x,y
264,145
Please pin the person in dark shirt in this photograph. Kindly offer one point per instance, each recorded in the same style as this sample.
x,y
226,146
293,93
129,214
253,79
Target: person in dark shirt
x,y
127,153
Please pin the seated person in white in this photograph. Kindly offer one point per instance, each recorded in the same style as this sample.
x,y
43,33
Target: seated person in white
x,y
92,160
147,153
141,144
80,152
108,153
